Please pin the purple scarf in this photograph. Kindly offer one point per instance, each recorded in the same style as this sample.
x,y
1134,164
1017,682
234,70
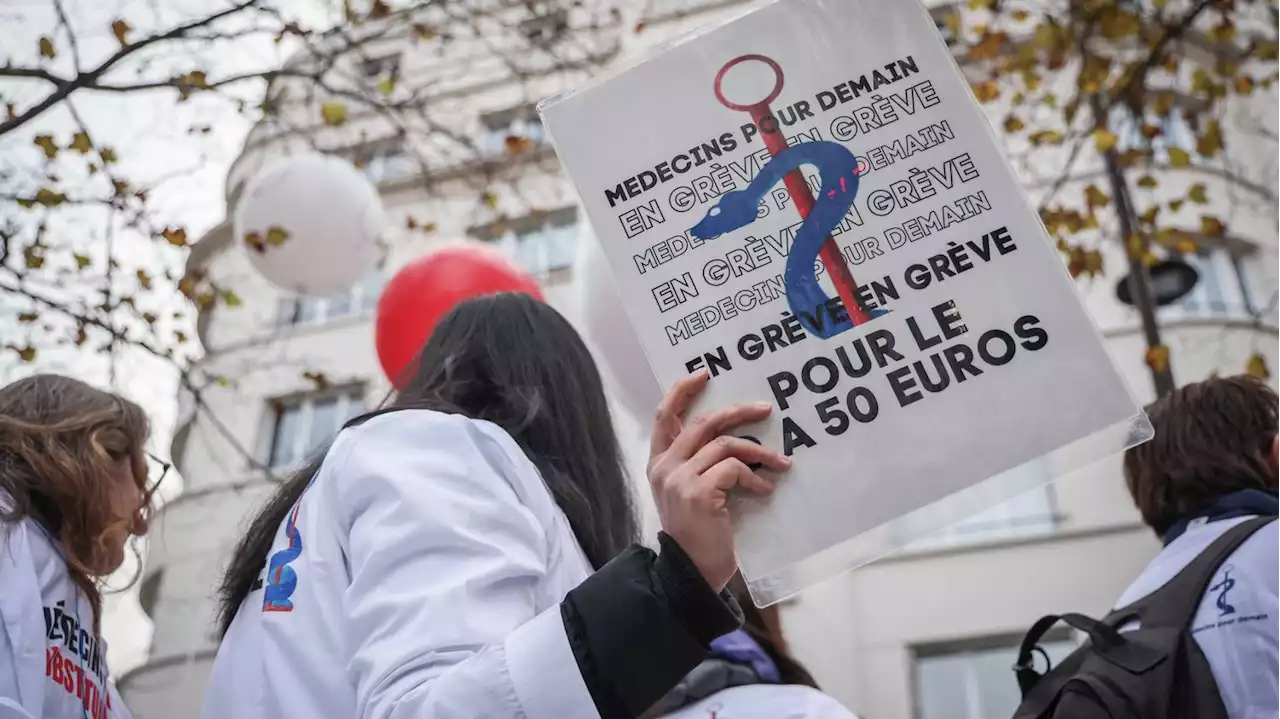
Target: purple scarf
x,y
738,647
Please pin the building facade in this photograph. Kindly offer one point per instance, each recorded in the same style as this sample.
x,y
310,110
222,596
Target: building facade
x,y
926,633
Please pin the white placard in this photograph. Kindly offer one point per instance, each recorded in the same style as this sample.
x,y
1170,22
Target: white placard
x,y
968,370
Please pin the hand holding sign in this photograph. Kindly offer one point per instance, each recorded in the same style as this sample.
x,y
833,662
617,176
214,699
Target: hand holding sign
x,y
692,467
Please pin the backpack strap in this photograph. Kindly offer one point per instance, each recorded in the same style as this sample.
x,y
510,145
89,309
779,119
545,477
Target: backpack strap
x,y
1175,603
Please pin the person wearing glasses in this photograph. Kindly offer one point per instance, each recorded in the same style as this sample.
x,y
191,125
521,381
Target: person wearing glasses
x,y
74,489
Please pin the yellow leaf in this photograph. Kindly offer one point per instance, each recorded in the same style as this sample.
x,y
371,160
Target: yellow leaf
x,y
379,10
1104,140
386,86
1159,4
81,261
423,32
1163,103
1136,246
80,143
26,354
144,280
1211,226
1223,32
989,46
986,91
1093,262
1257,367
1149,259
1118,24
516,144
1046,137
231,298
1268,50
1175,205
1197,194
49,198
276,236
1244,85
1020,15
28,317
1149,216
1095,197
1158,358
255,243
46,143
1147,182
1013,124
1210,142
1178,157
121,29
175,236
1185,245
489,199
46,48
334,113
108,155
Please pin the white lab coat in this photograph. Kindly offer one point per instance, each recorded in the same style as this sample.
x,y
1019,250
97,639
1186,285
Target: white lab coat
x,y
430,564
765,701
52,666
1239,637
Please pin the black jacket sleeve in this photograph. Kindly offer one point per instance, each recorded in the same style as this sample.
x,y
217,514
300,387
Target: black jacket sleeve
x,y
642,622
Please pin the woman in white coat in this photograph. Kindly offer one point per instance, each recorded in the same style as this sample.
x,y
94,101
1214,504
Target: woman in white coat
x,y
468,551
73,489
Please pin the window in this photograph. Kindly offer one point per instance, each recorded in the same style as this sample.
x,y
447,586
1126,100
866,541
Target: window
x,y
303,425
522,123
1221,290
974,683
383,160
358,300
1033,514
1174,132
542,245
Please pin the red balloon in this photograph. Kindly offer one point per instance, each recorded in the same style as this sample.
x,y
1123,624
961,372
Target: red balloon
x,y
425,290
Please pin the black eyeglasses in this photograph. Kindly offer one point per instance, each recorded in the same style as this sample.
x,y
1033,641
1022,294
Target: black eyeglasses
x,y
157,466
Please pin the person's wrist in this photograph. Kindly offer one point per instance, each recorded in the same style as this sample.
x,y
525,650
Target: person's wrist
x,y
707,611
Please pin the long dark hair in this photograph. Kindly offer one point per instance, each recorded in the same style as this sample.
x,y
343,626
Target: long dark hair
x,y
517,363
60,440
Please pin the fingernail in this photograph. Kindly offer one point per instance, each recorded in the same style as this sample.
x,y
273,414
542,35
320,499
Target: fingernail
x,y
763,405
785,460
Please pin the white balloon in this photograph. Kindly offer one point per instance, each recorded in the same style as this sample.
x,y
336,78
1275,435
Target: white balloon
x,y
609,330
331,213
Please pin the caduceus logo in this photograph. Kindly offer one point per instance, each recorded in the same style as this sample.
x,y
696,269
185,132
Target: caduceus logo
x,y
281,579
1227,584
839,173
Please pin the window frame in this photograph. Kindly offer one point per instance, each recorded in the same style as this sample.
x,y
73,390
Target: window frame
x,y
361,303
1227,259
970,647
507,238
347,396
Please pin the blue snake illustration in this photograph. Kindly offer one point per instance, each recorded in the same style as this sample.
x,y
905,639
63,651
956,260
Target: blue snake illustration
x,y
1225,585
281,579
838,169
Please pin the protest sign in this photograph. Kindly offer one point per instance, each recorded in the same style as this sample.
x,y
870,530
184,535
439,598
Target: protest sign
x,y
808,203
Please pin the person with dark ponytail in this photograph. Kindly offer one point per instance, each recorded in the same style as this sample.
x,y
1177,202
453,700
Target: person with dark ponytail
x,y
73,489
469,550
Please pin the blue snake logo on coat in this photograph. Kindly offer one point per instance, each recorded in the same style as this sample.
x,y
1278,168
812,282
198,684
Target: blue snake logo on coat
x,y
1226,585
281,579
838,170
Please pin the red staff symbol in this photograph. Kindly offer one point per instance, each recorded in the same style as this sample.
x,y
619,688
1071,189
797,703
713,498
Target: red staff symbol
x,y
794,181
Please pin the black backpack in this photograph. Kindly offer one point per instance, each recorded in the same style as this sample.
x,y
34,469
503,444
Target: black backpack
x,y
1154,672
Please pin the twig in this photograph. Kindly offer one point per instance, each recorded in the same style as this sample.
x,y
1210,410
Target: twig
x,y
91,77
